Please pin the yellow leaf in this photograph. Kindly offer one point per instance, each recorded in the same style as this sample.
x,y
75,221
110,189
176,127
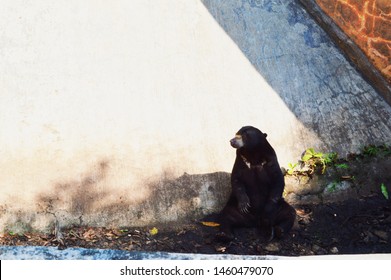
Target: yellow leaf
x,y
153,231
210,224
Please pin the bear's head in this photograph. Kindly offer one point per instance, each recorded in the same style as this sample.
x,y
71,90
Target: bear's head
x,y
250,138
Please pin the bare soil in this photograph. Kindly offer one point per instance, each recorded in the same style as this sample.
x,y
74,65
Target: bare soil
x,y
360,226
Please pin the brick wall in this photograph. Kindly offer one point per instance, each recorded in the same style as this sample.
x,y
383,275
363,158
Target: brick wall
x,y
368,24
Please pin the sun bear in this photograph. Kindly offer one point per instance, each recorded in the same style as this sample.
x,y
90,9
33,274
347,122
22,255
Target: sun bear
x,y
257,186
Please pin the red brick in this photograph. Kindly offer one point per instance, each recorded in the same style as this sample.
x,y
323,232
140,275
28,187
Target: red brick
x,y
368,24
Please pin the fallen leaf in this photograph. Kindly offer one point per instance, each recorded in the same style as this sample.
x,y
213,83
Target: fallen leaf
x,y
153,231
334,250
381,234
210,224
301,212
384,190
89,235
109,234
272,247
221,249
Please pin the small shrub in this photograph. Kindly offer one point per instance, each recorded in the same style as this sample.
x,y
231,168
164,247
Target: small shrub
x,y
315,159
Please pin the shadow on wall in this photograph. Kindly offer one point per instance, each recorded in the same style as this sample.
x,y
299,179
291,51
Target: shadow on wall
x,y
309,73
88,201
76,197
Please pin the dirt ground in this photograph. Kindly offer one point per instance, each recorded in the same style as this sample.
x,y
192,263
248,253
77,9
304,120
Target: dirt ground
x,y
360,224
352,227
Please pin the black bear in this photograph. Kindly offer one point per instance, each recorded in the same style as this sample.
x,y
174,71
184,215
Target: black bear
x,y
257,186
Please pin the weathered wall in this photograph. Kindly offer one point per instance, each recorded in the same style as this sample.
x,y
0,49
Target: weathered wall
x,y
104,106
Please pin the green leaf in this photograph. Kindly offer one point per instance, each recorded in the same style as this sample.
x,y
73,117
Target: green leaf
x,y
318,155
384,191
330,158
310,153
307,156
342,166
292,166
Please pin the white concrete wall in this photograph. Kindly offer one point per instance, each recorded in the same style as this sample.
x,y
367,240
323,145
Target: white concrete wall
x,y
106,98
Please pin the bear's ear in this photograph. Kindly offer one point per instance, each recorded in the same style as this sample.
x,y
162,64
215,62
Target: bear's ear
x,y
265,135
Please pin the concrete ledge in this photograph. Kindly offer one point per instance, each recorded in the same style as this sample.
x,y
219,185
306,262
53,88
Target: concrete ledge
x,y
52,253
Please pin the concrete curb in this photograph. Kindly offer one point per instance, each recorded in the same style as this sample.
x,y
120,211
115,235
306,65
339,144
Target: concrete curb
x,y
52,253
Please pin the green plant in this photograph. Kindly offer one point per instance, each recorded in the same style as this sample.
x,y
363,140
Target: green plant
x,y
291,168
384,191
311,154
386,150
330,158
342,166
314,159
333,187
370,151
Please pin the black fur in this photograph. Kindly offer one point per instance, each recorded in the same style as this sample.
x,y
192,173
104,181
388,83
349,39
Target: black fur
x,y
257,185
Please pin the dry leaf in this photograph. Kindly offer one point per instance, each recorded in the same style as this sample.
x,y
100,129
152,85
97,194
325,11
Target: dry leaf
x,y
153,231
89,235
210,224
221,249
